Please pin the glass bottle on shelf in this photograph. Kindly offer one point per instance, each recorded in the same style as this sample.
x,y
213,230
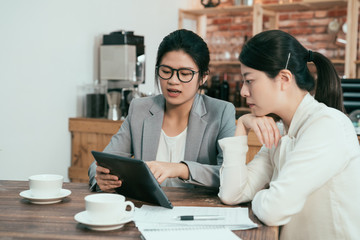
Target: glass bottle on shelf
x,y
237,95
203,89
214,90
224,88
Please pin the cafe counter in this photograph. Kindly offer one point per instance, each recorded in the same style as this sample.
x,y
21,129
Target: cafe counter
x,y
88,134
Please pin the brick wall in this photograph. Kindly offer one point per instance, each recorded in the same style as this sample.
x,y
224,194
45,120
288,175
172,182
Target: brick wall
x,y
226,34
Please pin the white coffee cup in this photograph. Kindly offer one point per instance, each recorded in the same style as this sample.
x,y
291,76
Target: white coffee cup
x,y
45,185
107,208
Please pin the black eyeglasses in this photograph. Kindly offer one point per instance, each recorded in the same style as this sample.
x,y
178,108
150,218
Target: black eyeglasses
x,y
184,75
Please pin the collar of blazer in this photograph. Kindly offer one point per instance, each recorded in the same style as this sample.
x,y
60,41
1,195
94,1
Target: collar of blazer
x,y
195,133
198,106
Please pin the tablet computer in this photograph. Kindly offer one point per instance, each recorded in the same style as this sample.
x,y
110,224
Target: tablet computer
x,y
138,182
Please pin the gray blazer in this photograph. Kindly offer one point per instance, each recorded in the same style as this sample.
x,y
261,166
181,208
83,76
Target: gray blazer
x,y
210,120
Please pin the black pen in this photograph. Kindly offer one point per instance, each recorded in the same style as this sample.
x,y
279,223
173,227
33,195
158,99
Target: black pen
x,y
199,217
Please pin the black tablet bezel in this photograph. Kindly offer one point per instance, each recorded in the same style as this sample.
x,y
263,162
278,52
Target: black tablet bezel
x,y
138,181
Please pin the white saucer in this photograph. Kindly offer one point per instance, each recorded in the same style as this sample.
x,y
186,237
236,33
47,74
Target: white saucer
x,y
82,217
45,200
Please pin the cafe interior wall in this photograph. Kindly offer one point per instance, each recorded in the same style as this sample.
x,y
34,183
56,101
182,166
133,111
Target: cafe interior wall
x,y
50,48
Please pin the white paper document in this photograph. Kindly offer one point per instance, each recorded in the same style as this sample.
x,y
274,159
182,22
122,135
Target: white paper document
x,y
154,217
189,233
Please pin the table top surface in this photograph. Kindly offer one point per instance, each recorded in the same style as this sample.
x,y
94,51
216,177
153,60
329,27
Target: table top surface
x,y
21,219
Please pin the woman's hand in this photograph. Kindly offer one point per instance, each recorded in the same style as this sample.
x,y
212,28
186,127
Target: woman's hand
x,y
164,170
264,127
106,181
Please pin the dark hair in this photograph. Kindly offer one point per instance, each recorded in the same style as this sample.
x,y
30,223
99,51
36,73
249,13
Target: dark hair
x,y
269,51
190,43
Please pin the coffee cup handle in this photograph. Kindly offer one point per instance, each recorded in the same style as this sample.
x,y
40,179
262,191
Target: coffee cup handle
x,y
132,206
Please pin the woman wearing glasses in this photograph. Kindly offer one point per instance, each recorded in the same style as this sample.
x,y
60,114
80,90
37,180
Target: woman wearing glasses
x,y
176,132
310,166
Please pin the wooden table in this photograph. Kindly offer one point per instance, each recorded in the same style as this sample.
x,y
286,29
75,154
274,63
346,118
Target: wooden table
x,y
20,219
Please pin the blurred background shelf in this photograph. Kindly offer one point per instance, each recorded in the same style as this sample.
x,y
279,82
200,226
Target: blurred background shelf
x,y
267,16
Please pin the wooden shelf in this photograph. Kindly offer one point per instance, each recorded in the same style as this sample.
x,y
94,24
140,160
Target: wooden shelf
x,y
94,125
338,61
259,10
305,6
220,63
294,6
217,10
237,63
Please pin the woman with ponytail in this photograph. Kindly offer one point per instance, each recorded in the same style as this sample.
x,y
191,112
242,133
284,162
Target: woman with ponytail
x,y
310,159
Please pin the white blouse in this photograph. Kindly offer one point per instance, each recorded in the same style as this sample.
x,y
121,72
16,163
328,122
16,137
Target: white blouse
x,y
172,149
313,176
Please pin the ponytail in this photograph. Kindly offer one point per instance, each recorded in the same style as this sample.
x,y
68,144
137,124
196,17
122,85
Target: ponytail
x,y
328,85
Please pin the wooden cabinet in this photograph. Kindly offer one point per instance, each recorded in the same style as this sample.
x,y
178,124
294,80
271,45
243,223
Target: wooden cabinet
x,y
88,134
272,11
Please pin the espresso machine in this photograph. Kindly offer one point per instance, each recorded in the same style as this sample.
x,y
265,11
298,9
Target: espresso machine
x,y
122,68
